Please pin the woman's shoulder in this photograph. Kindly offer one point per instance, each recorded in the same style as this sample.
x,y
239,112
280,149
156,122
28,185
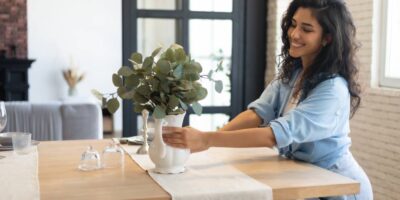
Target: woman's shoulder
x,y
336,84
336,81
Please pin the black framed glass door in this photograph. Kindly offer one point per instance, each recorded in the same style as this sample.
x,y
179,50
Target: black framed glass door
x,y
210,30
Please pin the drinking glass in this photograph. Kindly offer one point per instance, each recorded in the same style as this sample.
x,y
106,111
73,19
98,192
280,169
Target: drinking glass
x,y
3,119
21,142
3,116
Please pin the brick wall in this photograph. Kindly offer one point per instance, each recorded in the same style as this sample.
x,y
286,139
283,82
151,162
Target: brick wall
x,y
272,38
275,11
13,28
375,129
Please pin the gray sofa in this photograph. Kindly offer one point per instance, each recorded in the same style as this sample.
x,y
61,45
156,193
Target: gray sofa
x,y
55,120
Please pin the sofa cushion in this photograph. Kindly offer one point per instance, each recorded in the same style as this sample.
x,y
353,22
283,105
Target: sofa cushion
x,y
74,114
55,120
42,120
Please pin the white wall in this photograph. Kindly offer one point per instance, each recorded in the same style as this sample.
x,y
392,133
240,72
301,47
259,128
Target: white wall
x,y
89,32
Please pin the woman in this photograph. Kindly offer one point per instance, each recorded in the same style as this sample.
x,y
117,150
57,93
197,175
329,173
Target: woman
x,y
304,112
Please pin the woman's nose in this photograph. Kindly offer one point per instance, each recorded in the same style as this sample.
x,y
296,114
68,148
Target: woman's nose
x,y
295,34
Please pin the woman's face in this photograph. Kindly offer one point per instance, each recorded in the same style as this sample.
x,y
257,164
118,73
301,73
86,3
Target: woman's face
x,y
305,36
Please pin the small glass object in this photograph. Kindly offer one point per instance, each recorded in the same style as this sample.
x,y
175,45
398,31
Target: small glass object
x,y
21,142
113,156
90,160
3,116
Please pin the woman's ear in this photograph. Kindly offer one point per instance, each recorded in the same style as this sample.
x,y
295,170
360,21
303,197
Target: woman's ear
x,y
327,40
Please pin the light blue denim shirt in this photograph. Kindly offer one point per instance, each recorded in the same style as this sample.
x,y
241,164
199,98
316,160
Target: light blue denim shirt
x,y
316,131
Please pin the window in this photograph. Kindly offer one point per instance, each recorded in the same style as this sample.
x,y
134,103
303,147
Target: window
x,y
389,53
209,30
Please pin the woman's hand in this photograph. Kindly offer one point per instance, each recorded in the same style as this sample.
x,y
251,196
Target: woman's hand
x,y
186,137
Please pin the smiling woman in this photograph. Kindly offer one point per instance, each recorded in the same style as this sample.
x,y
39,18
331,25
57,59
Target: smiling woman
x,y
305,112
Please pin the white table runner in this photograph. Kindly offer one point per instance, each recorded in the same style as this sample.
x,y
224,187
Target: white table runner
x,y
205,178
19,179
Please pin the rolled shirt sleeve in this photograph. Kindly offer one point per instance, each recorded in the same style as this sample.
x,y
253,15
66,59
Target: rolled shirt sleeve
x,y
316,117
266,106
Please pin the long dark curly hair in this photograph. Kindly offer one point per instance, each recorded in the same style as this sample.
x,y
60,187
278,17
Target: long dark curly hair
x,y
337,58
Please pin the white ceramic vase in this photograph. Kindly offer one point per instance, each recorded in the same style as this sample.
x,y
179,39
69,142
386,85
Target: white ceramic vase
x,y
167,159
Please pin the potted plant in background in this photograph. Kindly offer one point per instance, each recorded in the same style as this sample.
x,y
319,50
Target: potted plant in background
x,y
166,85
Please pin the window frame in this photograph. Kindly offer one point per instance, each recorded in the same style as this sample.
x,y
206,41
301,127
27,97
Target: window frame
x,y
385,81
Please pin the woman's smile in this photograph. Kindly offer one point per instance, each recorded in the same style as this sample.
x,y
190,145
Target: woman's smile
x,y
296,44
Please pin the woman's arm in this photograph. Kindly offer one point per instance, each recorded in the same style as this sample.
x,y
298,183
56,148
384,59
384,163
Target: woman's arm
x,y
251,137
242,131
196,140
246,119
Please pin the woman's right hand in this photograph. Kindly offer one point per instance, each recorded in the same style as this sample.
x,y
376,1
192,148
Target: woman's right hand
x,y
186,137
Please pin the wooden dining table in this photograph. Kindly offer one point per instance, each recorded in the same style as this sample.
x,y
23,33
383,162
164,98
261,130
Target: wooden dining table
x,y
60,178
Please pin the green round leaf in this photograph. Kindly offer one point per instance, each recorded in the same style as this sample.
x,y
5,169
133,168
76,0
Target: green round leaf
x,y
138,98
170,55
197,108
121,91
197,67
209,75
190,96
183,105
173,101
180,55
137,57
178,71
192,76
201,93
159,112
164,66
148,63
156,51
112,105
218,86
132,81
190,72
125,71
144,90
117,80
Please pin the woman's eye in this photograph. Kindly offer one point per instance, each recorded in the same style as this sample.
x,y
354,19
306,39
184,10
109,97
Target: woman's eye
x,y
307,30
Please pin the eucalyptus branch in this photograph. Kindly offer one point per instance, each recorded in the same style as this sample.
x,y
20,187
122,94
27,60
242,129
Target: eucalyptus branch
x,y
165,86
